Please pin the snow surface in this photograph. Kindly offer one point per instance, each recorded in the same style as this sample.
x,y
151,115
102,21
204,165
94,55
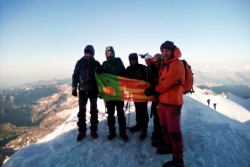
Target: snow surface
x,y
211,139
241,101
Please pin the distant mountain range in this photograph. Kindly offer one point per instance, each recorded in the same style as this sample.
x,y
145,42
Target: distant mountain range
x,y
232,80
223,77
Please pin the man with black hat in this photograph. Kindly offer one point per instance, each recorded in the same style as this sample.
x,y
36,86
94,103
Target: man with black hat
x,y
84,78
170,101
138,71
114,65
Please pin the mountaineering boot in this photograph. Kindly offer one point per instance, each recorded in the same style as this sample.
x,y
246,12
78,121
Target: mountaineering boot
x,y
111,135
124,136
157,143
94,134
134,128
81,135
154,136
143,134
176,162
164,149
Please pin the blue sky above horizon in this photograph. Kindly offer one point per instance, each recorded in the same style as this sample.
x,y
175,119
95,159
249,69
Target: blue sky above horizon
x,y
42,40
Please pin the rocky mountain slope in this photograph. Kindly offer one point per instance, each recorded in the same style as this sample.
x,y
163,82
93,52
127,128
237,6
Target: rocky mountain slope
x,y
27,115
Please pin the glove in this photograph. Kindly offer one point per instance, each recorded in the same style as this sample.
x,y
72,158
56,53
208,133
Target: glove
x,y
149,91
98,70
74,93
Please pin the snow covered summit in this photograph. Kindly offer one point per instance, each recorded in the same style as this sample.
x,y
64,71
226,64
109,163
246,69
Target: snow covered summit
x,y
212,138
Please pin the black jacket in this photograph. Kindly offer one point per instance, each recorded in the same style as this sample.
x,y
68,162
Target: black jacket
x,y
137,71
84,74
114,67
152,74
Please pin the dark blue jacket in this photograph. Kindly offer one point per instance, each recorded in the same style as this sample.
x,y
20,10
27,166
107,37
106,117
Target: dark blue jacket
x,y
84,74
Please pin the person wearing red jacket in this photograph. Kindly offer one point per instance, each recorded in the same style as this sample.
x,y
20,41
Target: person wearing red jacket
x,y
170,89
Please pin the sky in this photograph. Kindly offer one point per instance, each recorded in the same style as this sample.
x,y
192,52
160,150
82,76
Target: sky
x,y
212,138
42,40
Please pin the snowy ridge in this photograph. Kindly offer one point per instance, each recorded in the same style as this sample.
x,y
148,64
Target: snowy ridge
x,y
211,138
243,102
225,107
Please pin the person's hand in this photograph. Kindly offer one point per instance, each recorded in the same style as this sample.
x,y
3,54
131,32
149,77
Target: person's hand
x,y
98,70
74,93
149,91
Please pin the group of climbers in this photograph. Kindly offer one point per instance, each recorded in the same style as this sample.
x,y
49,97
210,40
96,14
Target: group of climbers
x,y
164,71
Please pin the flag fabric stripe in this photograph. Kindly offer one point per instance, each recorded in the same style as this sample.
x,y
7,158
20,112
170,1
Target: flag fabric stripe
x,y
138,90
133,86
136,93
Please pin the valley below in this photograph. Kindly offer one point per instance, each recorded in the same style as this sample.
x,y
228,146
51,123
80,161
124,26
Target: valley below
x,y
28,113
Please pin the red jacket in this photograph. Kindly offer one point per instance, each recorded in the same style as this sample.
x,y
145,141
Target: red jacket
x,y
171,75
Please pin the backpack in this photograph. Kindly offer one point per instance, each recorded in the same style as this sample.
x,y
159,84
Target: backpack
x,y
189,79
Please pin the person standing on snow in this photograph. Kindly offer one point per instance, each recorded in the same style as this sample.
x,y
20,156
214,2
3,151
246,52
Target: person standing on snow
x,y
215,106
138,71
84,78
208,102
171,100
114,65
153,70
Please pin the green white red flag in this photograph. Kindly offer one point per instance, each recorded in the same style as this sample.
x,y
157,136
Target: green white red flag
x,y
112,87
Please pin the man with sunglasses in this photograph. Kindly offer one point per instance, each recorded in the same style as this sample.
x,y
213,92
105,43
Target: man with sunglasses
x,y
84,78
151,69
157,134
152,74
138,71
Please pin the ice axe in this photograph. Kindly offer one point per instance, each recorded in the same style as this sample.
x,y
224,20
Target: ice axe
x,y
127,105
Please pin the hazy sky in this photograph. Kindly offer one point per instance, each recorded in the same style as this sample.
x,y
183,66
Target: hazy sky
x,y
43,39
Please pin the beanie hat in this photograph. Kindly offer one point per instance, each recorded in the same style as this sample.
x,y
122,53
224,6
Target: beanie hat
x,y
89,48
148,57
168,45
157,55
133,56
111,49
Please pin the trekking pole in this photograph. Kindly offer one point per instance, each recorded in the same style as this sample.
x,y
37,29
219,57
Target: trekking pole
x,y
105,107
151,113
128,114
128,107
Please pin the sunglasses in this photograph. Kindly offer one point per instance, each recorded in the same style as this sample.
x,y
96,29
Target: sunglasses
x,y
158,61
